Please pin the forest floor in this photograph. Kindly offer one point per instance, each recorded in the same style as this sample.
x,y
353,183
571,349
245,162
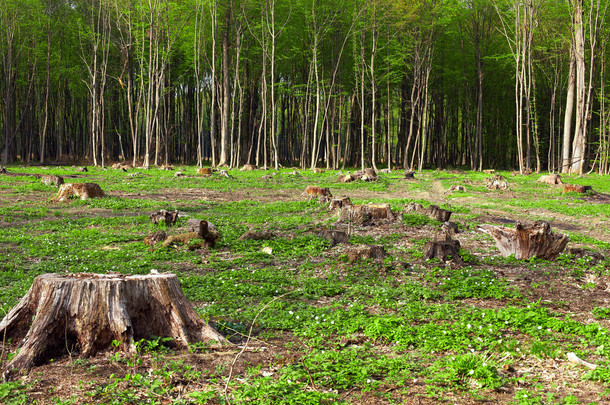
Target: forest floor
x,y
308,324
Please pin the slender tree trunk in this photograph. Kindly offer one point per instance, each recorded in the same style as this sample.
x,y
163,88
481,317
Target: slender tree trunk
x,y
569,111
578,152
226,92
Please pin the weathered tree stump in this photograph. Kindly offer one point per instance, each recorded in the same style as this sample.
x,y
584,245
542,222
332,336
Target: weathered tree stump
x,y
85,313
154,238
443,249
450,228
526,242
257,235
338,203
345,178
3,170
204,231
334,237
315,192
456,188
121,166
366,252
409,175
248,167
205,171
366,214
496,182
439,214
551,179
169,217
414,207
83,191
576,188
51,180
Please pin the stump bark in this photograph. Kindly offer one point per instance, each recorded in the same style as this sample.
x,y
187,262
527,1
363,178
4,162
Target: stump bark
x,y
85,313
526,242
496,182
83,191
441,215
550,179
576,188
366,214
444,250
338,203
51,180
169,217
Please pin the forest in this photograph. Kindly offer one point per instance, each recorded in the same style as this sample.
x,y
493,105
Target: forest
x,y
415,84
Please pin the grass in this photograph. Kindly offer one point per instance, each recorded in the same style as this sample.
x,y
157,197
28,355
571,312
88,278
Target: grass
x,y
333,331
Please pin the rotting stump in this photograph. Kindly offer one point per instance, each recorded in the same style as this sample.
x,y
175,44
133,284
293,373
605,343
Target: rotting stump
x,y
84,313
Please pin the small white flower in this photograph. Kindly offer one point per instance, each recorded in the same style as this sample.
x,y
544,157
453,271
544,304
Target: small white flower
x,y
469,326
471,372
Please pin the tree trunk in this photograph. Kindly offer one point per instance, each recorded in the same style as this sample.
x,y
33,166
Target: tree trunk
x,y
85,313
567,124
226,91
578,143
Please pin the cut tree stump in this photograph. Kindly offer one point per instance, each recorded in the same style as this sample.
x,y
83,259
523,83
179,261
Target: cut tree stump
x,y
334,237
366,252
204,230
154,238
83,191
257,235
169,217
414,207
315,192
576,188
444,249
366,214
84,313
526,242
550,179
496,182
441,215
205,171
338,203
345,178
51,180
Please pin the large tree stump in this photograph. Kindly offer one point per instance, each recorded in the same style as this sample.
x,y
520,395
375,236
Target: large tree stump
x,y
551,179
526,242
443,249
496,182
85,313
204,233
576,188
366,214
338,203
83,191
51,180
169,217
316,192
439,214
